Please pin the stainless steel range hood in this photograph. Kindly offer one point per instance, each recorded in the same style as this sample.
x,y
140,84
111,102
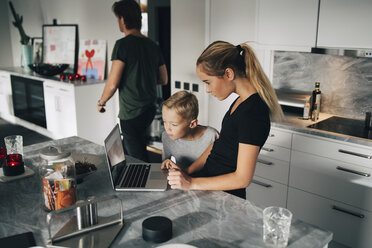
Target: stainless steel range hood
x,y
340,51
350,52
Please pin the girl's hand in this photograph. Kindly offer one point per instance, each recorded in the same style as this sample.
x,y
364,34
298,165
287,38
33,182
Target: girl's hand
x,y
178,179
169,164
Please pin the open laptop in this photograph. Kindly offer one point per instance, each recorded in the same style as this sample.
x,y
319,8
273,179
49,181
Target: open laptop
x,y
131,176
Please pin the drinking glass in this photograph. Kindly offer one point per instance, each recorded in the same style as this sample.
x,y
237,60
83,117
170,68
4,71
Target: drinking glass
x,y
276,226
14,144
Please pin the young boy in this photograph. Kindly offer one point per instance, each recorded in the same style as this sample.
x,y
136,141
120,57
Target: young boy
x,y
183,138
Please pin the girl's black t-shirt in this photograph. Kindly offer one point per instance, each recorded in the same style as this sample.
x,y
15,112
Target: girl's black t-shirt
x,y
248,124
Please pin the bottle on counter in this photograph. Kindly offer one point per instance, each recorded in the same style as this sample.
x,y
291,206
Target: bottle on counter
x,y
315,100
306,109
314,112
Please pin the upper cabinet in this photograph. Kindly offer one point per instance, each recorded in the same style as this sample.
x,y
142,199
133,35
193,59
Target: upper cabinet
x,y
233,21
287,23
345,23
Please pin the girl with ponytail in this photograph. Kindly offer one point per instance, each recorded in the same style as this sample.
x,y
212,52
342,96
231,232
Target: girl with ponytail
x,y
229,163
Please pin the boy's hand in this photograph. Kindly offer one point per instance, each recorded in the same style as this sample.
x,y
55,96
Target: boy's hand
x,y
169,164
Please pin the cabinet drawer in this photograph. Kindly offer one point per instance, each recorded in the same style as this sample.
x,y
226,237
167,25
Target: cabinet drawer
x,y
267,193
279,138
350,226
277,152
323,147
273,169
332,179
61,88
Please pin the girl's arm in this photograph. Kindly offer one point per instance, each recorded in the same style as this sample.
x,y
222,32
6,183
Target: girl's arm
x,y
241,178
198,164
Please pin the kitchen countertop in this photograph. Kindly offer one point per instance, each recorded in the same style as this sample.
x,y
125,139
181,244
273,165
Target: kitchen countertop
x,y
200,218
18,71
297,124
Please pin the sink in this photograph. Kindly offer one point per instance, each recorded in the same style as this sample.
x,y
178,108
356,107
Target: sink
x,y
352,127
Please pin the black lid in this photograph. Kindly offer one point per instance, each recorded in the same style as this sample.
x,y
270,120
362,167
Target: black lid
x,y
157,229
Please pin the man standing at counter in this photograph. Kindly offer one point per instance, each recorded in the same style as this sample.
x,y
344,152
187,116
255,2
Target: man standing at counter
x,y
137,67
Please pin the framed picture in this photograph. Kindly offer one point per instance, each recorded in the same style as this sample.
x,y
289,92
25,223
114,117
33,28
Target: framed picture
x,y
92,58
61,45
37,43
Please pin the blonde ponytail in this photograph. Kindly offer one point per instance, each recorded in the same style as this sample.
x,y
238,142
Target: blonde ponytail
x,y
221,55
261,82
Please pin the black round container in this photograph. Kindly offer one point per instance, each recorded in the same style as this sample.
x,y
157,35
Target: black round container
x,y
157,229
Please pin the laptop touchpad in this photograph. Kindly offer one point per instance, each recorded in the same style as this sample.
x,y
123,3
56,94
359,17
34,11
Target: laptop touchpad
x,y
156,175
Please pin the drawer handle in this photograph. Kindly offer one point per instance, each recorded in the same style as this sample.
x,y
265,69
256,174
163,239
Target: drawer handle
x,y
261,183
267,149
63,90
353,171
47,86
355,154
348,212
272,135
264,162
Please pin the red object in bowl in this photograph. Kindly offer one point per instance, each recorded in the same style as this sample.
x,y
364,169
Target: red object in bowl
x,y
13,165
2,156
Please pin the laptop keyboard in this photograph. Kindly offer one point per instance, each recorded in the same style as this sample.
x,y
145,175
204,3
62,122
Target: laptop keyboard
x,y
136,176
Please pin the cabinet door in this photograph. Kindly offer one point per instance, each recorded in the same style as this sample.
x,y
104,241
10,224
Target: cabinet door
x,y
350,226
345,23
332,179
280,138
267,193
233,21
6,105
60,110
273,169
341,151
287,22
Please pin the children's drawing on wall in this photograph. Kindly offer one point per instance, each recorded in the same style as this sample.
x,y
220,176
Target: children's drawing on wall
x,y
92,56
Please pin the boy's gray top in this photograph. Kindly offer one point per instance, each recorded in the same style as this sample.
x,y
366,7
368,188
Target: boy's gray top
x,y
187,151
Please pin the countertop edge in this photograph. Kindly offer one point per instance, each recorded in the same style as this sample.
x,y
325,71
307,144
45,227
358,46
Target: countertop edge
x,y
18,71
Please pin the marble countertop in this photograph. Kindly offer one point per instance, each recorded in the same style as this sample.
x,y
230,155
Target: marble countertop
x,y
200,218
297,124
18,71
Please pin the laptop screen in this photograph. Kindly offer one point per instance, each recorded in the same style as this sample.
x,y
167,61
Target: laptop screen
x,y
115,153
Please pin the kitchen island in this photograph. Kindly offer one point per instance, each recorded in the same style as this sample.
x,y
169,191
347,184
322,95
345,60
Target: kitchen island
x,y
200,218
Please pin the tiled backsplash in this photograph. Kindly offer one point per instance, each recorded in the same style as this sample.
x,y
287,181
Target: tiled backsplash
x,y
345,82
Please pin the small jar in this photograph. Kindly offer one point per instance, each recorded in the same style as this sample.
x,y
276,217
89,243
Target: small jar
x,y
58,176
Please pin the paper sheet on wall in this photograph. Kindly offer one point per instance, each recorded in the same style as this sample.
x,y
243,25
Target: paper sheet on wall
x,y
92,58
59,45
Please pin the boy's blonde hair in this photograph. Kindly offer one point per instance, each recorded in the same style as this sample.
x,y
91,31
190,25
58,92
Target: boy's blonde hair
x,y
184,103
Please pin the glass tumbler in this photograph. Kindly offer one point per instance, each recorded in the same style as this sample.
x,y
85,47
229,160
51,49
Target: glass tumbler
x,y
276,226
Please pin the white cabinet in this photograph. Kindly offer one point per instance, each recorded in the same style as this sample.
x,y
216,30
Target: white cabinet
x,y
289,23
333,179
270,183
71,110
233,21
6,103
351,226
266,193
60,109
345,23
330,185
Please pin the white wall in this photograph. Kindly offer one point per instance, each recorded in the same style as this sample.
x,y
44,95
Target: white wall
x,y
94,17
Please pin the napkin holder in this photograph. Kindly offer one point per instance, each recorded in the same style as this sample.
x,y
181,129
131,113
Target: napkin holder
x,y
85,228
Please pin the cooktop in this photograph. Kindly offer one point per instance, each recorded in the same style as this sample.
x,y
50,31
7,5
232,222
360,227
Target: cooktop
x,y
345,126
